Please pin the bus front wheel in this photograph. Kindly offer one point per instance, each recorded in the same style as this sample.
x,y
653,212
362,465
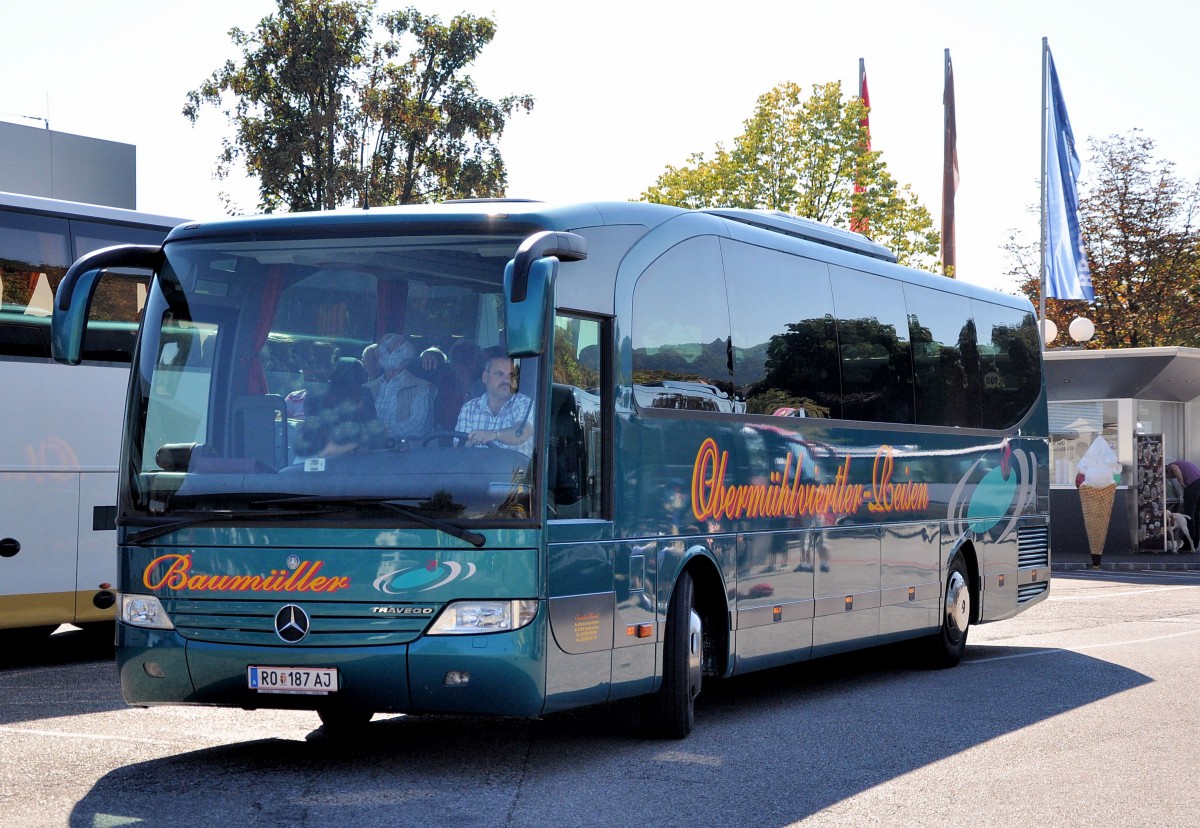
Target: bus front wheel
x,y
951,640
670,713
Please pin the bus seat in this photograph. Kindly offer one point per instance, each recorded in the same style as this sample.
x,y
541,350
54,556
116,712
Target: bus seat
x,y
260,430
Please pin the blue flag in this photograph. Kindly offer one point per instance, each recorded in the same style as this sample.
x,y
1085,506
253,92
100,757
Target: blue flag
x,y
1067,273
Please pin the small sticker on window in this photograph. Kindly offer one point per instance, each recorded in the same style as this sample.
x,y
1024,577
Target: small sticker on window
x,y
314,464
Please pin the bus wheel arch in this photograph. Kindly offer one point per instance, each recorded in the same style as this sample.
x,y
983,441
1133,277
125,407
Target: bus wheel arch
x,y
959,609
669,712
970,559
712,604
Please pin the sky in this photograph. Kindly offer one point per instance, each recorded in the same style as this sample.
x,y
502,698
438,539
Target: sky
x,y
625,88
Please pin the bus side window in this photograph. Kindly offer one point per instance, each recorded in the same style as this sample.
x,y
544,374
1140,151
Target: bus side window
x,y
682,353
574,462
945,365
873,340
1010,374
785,356
34,255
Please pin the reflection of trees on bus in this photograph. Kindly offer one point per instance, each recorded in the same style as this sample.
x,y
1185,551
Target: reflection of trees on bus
x,y
704,363
569,367
801,370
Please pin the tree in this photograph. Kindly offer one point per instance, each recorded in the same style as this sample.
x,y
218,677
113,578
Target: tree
x,y
1143,247
434,136
325,114
804,157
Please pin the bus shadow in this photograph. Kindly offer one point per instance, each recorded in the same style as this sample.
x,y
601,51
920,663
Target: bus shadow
x,y
782,744
29,693
68,645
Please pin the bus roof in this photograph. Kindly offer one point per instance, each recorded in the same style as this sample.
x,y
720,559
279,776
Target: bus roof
x,y
518,216
78,209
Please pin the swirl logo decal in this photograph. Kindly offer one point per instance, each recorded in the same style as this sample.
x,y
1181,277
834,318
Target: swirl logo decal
x,y
423,579
983,501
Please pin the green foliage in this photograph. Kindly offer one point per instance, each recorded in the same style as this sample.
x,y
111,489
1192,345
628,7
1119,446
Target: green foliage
x,y
805,157
325,113
1143,248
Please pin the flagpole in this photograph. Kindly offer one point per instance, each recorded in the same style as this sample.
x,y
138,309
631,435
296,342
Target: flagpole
x,y
949,171
1043,195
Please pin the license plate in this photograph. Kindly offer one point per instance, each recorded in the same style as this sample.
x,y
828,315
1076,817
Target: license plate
x,y
317,681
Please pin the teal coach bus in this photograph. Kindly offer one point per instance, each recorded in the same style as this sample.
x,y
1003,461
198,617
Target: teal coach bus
x,y
507,457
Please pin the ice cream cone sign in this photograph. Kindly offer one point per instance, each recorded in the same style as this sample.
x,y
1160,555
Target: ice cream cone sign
x,y
1098,468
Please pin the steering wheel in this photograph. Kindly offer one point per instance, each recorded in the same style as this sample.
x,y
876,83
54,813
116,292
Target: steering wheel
x,y
461,436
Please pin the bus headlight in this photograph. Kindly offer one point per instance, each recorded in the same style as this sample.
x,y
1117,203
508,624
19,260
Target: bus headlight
x,y
144,611
466,617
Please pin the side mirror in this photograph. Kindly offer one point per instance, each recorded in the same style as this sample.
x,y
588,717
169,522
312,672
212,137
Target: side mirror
x,y
73,299
525,321
529,288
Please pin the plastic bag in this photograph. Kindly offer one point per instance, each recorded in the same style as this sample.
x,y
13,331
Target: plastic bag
x,y
1099,464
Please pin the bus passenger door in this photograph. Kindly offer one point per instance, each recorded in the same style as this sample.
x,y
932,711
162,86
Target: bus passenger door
x,y
588,575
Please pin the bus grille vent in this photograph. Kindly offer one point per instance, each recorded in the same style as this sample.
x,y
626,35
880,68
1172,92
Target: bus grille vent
x,y
333,623
1033,546
1027,592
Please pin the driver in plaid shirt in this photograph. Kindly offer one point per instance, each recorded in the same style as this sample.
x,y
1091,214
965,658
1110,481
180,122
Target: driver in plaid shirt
x,y
501,416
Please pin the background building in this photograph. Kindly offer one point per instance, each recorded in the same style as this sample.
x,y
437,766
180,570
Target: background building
x,y
1145,402
42,162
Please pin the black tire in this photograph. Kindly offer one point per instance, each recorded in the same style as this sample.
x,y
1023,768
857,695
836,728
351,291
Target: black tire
x,y
344,721
950,642
670,713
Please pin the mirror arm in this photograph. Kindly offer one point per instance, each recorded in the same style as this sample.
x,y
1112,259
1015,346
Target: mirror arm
x,y
566,247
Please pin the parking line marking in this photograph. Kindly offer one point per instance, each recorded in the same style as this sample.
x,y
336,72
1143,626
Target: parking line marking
x,y
1053,650
1092,596
24,731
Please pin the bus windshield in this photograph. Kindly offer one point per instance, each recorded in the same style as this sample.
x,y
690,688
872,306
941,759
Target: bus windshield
x,y
362,372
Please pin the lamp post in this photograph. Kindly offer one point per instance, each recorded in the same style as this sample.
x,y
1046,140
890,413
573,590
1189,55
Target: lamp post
x,y
1081,329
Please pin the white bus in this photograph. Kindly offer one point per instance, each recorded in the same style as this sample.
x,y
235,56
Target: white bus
x,y
60,429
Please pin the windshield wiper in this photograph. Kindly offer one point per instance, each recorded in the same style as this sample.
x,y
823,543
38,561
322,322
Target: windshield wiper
x,y
395,504
161,529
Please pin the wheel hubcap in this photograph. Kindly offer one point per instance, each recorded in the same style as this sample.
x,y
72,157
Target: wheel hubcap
x,y
958,606
695,653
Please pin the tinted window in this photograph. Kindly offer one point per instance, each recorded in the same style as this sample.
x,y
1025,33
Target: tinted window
x,y
91,235
1010,363
34,255
35,252
785,353
575,460
944,357
874,348
681,331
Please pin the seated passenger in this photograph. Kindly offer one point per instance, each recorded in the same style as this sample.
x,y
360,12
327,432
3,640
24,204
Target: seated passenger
x,y
342,418
404,400
500,416
455,380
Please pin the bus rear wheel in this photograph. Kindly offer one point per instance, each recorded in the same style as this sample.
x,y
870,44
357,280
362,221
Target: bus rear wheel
x,y
950,642
670,713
